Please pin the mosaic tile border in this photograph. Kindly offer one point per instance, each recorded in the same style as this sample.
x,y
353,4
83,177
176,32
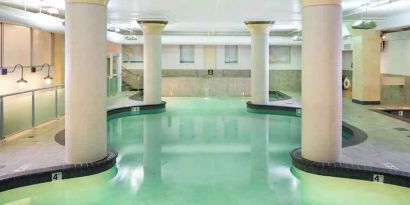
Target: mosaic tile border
x,y
385,112
366,102
137,108
67,171
343,170
351,171
61,172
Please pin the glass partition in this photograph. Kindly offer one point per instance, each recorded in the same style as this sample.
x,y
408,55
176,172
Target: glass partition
x,y
22,111
44,106
60,101
112,85
17,113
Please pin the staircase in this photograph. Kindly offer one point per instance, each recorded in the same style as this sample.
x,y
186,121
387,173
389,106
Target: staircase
x,y
131,81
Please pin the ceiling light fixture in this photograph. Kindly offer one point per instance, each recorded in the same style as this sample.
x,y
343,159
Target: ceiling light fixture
x,y
364,24
131,36
52,10
298,36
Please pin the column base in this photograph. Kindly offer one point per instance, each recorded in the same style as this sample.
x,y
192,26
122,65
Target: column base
x,y
366,102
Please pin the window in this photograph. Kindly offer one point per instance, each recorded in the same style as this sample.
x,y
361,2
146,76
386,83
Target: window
x,y
133,54
187,54
279,54
231,54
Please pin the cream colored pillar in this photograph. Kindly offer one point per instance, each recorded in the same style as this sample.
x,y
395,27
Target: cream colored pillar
x,y
152,149
260,61
85,80
366,67
152,60
321,80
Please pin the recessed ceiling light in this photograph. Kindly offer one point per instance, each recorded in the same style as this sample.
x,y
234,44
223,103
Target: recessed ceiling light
x,y
52,10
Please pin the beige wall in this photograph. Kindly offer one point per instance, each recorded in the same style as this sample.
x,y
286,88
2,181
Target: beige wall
x,y
113,47
29,47
366,62
59,56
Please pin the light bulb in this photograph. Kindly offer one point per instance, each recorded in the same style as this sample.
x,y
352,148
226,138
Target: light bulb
x,y
48,80
22,83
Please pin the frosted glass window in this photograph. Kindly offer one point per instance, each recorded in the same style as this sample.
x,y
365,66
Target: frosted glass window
x,y
187,54
231,54
279,54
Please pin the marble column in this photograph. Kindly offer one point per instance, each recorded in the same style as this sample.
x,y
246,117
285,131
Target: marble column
x,y
85,80
366,67
321,80
152,60
260,61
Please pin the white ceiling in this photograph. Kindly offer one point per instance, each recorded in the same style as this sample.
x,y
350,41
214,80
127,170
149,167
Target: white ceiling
x,y
220,15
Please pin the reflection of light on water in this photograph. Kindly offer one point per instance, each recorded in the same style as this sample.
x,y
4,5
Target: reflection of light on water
x,y
24,201
137,178
134,175
281,171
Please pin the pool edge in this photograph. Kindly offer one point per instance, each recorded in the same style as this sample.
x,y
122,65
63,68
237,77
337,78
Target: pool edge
x,y
67,171
350,171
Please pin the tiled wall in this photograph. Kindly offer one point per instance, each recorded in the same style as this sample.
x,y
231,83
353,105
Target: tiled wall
x,y
285,80
393,94
222,82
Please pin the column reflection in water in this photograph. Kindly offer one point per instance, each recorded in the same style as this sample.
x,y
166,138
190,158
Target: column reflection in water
x,y
259,150
152,149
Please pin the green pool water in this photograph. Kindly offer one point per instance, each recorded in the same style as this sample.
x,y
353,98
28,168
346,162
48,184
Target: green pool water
x,y
202,152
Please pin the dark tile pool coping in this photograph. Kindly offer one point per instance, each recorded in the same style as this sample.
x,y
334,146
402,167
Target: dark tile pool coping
x,y
67,171
288,110
137,108
282,96
343,170
351,171
383,112
358,135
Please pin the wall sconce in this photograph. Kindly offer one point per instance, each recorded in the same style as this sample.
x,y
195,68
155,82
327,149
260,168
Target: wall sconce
x,y
21,83
48,79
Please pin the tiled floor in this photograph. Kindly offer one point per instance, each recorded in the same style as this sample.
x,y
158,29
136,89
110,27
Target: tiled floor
x,y
386,146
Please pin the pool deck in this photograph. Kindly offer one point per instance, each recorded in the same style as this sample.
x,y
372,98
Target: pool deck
x,y
387,145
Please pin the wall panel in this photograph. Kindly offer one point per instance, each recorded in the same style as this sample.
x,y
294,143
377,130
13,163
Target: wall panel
x,y
41,47
16,45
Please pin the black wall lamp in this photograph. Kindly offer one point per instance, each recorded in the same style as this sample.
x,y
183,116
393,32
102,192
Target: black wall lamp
x,y
22,83
48,79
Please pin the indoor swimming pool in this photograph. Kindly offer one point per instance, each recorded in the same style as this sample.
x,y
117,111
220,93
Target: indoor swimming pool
x,y
204,151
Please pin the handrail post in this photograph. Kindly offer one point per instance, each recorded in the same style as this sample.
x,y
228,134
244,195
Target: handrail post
x,y
33,107
56,102
1,119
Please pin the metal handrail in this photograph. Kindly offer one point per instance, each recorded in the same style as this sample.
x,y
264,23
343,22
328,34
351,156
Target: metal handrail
x,y
129,72
33,113
29,91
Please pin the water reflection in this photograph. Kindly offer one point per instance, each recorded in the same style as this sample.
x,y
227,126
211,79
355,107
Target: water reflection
x,y
206,152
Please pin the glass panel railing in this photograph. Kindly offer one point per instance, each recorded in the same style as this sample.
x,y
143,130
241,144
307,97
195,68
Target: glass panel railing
x,y
17,114
112,86
24,110
44,106
60,101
